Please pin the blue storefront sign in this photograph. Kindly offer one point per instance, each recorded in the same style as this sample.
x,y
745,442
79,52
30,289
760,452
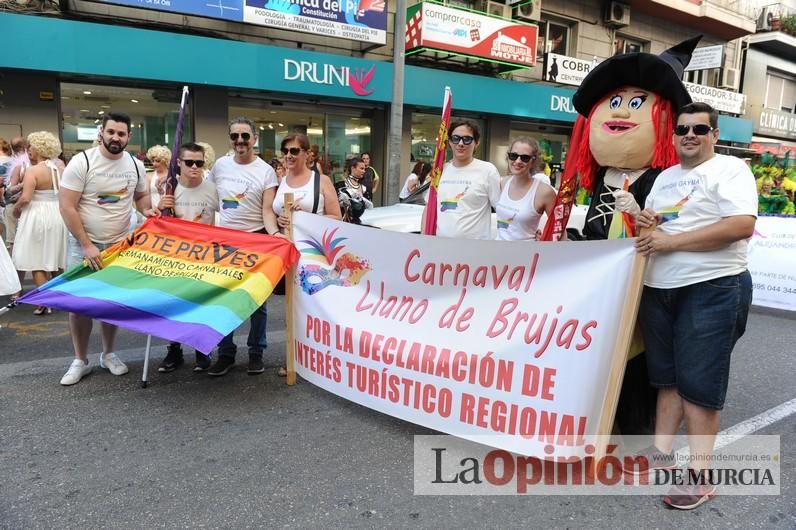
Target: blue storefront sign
x,y
361,20
261,67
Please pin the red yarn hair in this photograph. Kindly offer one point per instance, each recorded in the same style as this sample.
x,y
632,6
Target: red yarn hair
x,y
663,156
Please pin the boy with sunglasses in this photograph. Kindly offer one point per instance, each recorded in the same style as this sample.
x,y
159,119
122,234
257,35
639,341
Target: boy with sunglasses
x,y
195,199
697,290
468,189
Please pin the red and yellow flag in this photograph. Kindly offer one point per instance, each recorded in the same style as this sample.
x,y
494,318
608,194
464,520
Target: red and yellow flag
x,y
430,227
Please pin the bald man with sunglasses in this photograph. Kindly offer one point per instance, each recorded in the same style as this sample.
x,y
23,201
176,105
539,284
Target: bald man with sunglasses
x,y
246,188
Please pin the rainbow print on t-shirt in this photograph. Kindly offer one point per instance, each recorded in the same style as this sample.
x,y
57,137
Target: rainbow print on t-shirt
x,y
231,202
111,197
503,224
453,202
673,212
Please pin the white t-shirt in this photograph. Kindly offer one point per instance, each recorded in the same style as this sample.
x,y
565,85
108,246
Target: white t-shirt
x,y
690,199
107,188
197,204
240,191
305,195
465,197
411,180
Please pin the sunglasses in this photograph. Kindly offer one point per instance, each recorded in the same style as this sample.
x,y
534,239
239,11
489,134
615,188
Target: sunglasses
x,y
525,158
699,130
192,163
292,150
467,140
245,136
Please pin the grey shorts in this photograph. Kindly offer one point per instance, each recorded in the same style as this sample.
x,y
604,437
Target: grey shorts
x,y
74,251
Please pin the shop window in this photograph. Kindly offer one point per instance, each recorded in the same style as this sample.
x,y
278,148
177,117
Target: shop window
x,y
780,93
628,45
153,111
424,137
335,136
553,38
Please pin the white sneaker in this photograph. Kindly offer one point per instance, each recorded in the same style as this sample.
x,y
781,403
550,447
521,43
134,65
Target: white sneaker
x,y
113,364
76,372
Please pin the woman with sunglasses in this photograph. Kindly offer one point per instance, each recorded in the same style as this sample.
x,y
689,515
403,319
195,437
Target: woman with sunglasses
x,y
302,182
523,198
468,188
312,191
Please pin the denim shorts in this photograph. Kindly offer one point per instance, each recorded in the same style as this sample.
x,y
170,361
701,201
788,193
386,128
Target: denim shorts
x,y
690,333
74,251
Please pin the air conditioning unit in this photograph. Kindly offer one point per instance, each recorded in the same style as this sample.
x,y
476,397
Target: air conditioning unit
x,y
617,14
499,10
730,79
531,11
767,14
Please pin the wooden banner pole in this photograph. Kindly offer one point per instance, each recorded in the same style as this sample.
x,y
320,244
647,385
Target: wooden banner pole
x,y
290,344
616,373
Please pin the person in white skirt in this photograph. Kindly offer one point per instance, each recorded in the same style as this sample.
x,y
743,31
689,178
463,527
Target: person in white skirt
x,y
523,198
40,241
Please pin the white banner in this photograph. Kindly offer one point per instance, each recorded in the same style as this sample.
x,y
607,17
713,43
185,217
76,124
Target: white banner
x,y
770,254
719,99
488,340
706,58
566,70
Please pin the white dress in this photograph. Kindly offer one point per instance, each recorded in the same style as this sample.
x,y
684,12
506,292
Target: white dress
x,y
40,244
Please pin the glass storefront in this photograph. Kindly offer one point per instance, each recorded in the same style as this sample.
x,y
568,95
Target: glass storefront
x,y
153,111
338,134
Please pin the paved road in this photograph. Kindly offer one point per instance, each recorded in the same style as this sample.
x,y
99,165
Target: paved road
x,y
243,451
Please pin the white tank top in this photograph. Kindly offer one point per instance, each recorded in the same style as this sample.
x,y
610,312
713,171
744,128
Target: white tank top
x,y
517,220
303,194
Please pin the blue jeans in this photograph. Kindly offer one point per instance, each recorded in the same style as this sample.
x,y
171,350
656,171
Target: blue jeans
x,y
690,332
256,341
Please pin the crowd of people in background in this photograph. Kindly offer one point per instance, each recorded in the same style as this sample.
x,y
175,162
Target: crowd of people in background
x,y
56,216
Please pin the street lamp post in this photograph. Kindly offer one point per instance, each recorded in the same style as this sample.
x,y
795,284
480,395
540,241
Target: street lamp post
x,y
392,185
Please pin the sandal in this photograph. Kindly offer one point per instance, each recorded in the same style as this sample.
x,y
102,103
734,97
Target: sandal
x,y
281,371
40,310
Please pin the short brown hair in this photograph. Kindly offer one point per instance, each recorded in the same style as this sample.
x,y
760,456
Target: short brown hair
x,y
467,123
300,138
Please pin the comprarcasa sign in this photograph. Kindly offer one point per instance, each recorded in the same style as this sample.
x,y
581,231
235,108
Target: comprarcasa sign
x,y
432,26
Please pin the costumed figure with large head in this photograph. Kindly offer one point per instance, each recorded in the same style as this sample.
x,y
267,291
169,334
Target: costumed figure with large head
x,y
621,142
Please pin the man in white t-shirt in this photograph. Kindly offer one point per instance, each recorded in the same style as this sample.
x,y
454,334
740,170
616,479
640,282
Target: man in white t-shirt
x,y
97,192
697,291
246,189
469,188
195,199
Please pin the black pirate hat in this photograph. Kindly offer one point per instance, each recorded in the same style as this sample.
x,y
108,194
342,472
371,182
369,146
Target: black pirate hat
x,y
661,74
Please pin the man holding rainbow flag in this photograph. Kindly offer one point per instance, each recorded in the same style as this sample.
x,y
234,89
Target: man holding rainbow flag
x,y
97,192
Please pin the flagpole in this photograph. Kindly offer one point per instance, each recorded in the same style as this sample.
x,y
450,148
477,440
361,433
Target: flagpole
x,y
171,185
290,347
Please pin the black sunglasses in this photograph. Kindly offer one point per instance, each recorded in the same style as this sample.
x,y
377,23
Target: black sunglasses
x,y
525,158
699,130
192,163
292,150
234,136
455,139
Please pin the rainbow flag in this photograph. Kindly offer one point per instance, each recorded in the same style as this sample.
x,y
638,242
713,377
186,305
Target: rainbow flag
x,y
175,279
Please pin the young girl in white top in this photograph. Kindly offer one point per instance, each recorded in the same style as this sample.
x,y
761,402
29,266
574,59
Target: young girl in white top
x,y
523,199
